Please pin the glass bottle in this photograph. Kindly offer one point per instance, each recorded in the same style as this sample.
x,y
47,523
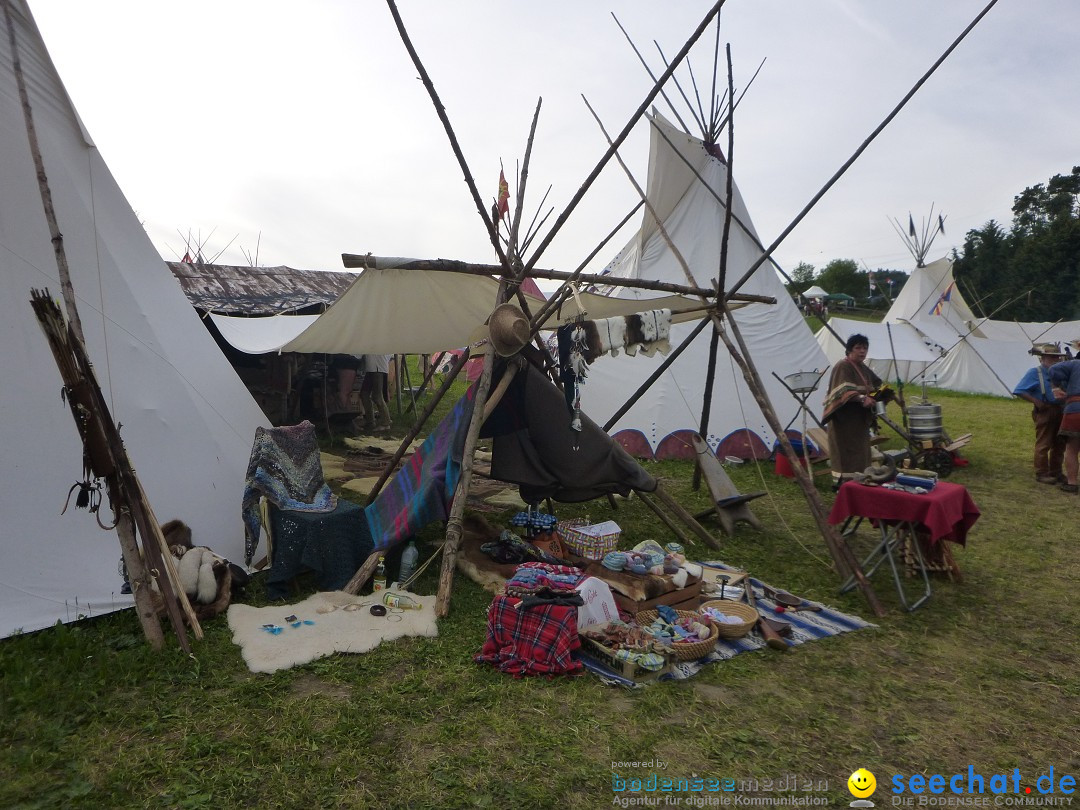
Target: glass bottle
x,y
408,563
379,583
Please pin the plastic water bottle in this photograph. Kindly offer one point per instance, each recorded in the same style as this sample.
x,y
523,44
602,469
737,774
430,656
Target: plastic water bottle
x,y
408,562
379,583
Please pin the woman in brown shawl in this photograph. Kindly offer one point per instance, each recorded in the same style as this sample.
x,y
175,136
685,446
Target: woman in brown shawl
x,y
849,410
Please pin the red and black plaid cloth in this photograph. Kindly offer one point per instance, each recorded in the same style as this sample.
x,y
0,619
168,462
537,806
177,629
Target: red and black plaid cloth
x,y
531,641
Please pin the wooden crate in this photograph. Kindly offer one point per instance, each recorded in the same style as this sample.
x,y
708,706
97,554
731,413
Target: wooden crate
x,y
683,599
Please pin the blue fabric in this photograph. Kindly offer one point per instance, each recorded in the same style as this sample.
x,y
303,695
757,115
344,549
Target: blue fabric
x,y
1036,383
1066,376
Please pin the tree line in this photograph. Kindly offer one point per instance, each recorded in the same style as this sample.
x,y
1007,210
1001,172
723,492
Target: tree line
x,y
873,288
1029,272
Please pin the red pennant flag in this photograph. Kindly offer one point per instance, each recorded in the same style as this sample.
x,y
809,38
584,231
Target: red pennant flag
x,y
504,196
186,259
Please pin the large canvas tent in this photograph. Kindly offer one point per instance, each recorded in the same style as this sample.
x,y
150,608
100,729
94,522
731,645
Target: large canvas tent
x,y
186,419
776,335
938,340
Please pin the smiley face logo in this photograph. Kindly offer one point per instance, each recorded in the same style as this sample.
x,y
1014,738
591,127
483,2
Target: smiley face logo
x,y
861,783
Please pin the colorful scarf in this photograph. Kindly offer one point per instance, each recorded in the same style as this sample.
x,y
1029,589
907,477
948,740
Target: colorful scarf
x,y
285,468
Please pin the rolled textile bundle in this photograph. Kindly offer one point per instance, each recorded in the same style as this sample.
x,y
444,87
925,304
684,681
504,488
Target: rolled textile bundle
x,y
916,481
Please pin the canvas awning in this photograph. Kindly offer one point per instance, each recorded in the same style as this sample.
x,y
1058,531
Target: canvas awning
x,y
388,311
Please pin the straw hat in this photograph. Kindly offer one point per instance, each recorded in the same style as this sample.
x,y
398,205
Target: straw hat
x,y
508,329
1048,350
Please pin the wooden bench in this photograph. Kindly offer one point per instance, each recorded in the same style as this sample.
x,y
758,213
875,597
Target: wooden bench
x,y
729,505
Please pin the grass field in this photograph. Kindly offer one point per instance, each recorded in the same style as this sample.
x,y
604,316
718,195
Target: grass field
x,y
984,675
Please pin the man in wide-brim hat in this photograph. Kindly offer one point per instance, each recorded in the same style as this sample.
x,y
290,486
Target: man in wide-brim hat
x,y
1035,386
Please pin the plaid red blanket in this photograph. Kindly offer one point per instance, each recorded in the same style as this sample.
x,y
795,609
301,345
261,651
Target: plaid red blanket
x,y
532,641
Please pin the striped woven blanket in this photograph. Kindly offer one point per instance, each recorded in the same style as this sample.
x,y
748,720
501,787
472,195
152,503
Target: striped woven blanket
x,y
805,626
423,488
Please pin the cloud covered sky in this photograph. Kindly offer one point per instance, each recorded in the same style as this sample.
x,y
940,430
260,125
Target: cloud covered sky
x,y
301,129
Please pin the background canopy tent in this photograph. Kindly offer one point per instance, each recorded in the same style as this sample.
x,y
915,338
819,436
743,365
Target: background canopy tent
x,y
815,292
187,420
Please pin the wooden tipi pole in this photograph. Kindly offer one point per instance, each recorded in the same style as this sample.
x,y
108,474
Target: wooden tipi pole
x,y
862,148
843,557
721,276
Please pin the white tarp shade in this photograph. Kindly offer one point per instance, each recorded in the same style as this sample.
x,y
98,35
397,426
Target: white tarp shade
x,y
258,335
776,334
186,419
814,292
396,311
906,355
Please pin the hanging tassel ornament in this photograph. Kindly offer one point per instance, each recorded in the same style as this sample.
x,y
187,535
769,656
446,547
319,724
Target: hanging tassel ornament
x,y
579,365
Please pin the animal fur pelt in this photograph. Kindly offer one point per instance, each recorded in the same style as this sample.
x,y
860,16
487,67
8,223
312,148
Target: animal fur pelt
x,y
177,533
475,564
206,577
637,587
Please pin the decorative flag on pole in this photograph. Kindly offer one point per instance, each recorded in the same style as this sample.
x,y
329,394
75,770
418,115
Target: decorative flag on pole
x,y
187,259
911,225
943,299
504,196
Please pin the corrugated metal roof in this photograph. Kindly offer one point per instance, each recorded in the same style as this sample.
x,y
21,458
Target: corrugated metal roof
x,y
236,290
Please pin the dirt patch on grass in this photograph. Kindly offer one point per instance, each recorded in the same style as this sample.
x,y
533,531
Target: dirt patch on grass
x,y
308,685
713,694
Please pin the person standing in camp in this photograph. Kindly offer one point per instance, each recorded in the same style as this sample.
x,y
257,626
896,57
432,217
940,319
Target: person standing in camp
x,y
373,391
1035,386
1066,376
849,410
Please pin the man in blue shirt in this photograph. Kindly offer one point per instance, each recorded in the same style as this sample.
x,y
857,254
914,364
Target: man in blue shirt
x,y
1036,388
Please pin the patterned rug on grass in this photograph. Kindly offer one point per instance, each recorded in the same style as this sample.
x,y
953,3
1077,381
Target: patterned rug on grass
x,y
806,626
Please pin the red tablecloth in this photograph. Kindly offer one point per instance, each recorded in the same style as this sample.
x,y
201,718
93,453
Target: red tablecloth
x,y
946,512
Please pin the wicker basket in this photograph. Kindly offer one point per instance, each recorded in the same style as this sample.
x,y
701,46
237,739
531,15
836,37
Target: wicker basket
x,y
627,669
589,546
685,651
748,614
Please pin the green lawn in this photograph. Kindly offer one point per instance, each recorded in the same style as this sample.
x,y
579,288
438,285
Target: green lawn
x,y
984,675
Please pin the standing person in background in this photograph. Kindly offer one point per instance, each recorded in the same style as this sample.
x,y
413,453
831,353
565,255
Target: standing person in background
x,y
849,410
1066,376
346,367
373,392
1035,386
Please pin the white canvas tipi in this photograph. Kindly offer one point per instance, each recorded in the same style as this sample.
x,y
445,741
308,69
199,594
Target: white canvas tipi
x,y
186,419
777,336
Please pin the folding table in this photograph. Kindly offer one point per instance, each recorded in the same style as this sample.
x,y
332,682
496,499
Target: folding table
x,y
944,514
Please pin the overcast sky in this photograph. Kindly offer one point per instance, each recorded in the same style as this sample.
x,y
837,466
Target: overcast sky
x,y
306,123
